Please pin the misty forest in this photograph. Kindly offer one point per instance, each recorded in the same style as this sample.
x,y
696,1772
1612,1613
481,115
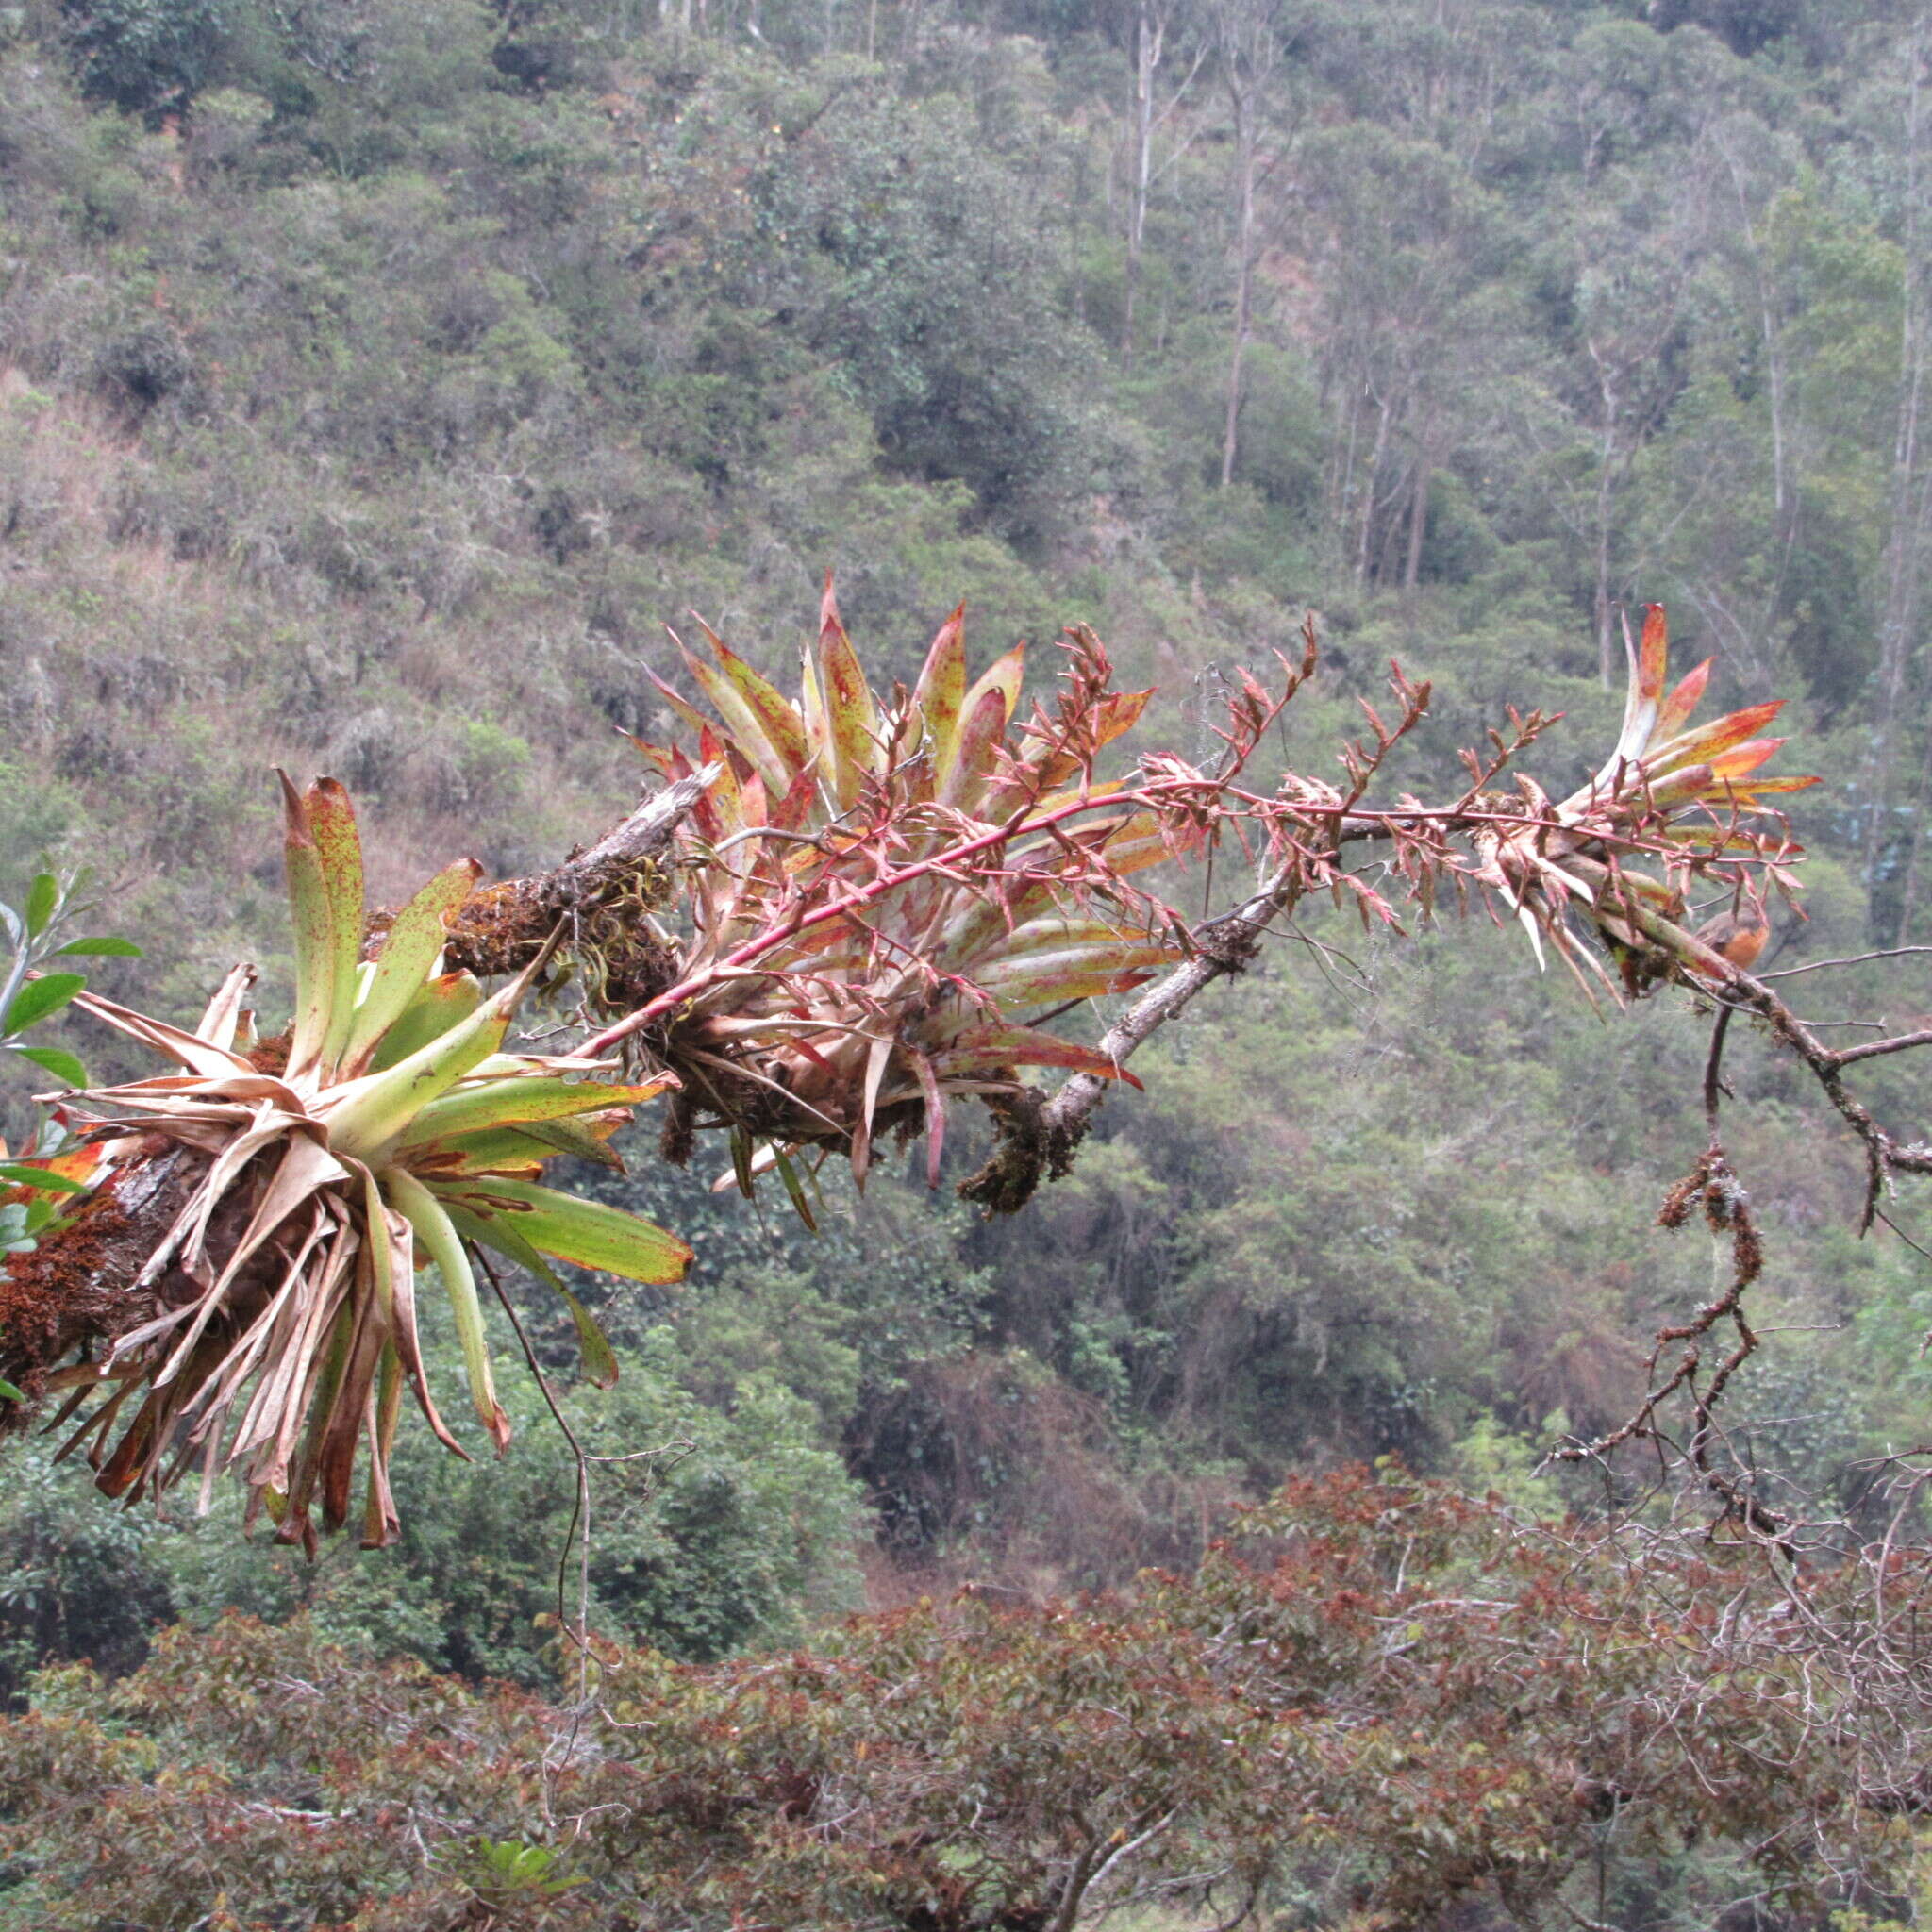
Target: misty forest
x,y
965,965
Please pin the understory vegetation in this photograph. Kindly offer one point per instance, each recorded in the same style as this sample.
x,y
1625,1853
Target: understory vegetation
x,y
379,377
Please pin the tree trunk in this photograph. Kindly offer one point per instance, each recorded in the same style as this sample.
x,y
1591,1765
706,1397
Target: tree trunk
x,y
1418,518
1606,473
1241,99
1915,859
1365,527
1899,623
1342,461
1149,35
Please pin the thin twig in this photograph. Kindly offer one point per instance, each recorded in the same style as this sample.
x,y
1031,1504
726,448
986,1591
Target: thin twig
x,y
1713,1074
1852,960
580,1509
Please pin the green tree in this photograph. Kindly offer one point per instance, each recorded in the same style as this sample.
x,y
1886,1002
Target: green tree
x,y
147,57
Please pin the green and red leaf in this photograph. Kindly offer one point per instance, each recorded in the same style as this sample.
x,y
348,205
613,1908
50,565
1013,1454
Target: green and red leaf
x,y
587,1234
940,692
986,1049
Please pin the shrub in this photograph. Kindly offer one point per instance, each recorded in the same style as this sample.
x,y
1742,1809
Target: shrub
x,y
144,366
1386,1699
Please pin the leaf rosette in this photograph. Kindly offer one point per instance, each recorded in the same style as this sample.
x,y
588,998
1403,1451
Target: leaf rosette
x,y
1670,791
924,989
389,1129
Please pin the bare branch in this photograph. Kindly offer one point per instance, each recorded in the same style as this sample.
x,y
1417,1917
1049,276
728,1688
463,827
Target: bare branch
x,y
1223,946
1871,1049
1850,959
1884,1155
643,835
496,930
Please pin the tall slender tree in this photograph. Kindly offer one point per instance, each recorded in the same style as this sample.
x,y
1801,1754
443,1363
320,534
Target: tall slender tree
x,y
1247,36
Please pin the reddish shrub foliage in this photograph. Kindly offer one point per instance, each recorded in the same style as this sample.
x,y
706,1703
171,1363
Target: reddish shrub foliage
x,y
1382,1691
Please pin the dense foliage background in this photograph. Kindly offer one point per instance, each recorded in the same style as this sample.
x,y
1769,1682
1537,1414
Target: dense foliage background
x,y
378,376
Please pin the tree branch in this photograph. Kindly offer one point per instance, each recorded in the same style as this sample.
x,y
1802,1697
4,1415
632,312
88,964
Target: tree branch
x,y
1222,947
496,930
1884,1156
643,835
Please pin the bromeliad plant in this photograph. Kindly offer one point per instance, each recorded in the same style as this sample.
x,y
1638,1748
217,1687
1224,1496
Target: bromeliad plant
x,y
1669,792
886,894
388,1129
882,891
1662,763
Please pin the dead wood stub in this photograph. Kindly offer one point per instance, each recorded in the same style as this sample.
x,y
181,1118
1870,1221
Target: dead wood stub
x,y
74,1288
1029,1146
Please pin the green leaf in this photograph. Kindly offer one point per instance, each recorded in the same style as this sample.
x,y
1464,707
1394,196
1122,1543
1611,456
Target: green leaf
x,y
579,1139
9,1393
521,1099
408,952
425,1213
777,720
315,962
43,1180
493,1149
745,725
794,1188
689,714
42,899
100,946
395,1297
941,691
587,1233
437,1007
58,1062
37,998
1057,934
1078,973
498,1234
365,1114
851,720
339,845
597,1357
